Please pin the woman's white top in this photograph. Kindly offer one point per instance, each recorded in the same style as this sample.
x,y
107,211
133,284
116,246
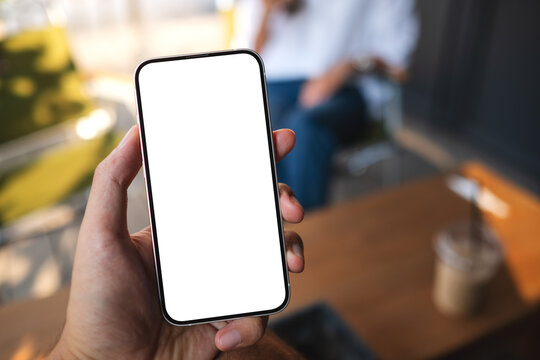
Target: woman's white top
x,y
323,32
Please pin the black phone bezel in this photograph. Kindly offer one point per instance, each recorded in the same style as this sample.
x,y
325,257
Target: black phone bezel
x,y
146,166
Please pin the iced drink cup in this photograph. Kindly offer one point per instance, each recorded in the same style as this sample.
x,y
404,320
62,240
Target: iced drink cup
x,y
467,259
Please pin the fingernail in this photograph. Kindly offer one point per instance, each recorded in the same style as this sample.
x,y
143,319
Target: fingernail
x,y
231,339
297,250
291,196
220,324
126,137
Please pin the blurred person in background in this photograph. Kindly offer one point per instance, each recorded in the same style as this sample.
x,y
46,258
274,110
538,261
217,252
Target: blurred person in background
x,y
321,58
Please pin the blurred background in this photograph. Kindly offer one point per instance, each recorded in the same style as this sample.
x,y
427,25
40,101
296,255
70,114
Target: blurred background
x,y
464,103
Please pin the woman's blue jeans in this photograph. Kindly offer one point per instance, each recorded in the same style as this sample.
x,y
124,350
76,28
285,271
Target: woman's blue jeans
x,y
319,132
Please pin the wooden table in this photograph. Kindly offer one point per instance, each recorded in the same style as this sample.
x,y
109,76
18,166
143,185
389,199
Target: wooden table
x,y
372,260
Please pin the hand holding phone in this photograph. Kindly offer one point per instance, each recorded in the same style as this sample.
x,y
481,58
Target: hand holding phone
x,y
113,309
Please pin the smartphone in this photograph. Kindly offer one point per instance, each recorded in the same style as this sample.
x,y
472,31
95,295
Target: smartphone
x,y
210,174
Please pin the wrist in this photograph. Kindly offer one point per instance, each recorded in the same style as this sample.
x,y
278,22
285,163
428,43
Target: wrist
x,y
268,7
59,352
343,71
363,64
62,351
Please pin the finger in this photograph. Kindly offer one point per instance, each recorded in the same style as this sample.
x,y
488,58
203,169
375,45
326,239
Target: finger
x,y
144,235
295,251
284,140
107,203
219,324
143,243
241,333
291,209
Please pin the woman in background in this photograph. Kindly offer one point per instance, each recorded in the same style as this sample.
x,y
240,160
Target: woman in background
x,y
320,57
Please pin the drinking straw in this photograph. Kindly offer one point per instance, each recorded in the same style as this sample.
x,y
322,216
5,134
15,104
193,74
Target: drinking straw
x,y
476,222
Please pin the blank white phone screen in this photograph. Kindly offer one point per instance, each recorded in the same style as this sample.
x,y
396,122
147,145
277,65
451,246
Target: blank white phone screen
x,y
211,187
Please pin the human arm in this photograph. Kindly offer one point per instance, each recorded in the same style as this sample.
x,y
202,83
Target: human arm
x,y
382,44
269,7
319,89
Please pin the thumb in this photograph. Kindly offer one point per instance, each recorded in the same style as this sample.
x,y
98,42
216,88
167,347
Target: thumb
x,y
107,203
